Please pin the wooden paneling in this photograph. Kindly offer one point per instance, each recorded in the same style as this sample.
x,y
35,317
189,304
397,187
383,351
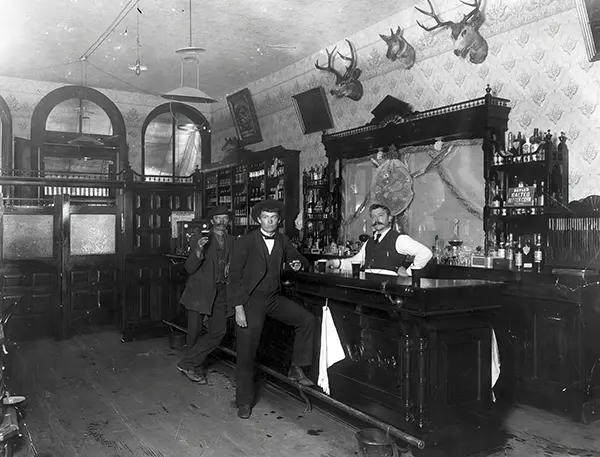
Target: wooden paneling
x,y
150,294
34,286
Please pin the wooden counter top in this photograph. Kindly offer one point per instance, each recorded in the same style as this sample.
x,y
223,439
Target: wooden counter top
x,y
379,291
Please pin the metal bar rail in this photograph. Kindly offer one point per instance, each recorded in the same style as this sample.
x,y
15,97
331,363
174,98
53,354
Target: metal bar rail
x,y
389,429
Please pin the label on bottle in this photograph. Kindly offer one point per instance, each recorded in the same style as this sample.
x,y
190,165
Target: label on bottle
x,y
501,253
518,259
537,256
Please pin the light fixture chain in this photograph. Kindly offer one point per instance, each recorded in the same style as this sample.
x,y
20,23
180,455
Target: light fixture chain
x,y
190,23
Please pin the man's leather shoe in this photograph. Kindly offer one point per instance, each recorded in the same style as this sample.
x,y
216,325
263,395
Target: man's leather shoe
x,y
244,411
296,374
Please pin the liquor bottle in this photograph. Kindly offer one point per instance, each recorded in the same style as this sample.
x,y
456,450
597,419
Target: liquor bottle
x,y
540,198
496,203
509,249
537,253
501,249
518,256
519,145
526,149
534,142
527,254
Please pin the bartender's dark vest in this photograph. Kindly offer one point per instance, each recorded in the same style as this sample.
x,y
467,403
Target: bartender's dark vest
x,y
383,255
269,284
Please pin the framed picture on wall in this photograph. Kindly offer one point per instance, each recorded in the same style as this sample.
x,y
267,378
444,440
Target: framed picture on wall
x,y
589,17
244,117
313,110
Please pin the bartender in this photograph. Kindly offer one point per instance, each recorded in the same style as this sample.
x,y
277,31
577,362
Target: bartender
x,y
387,251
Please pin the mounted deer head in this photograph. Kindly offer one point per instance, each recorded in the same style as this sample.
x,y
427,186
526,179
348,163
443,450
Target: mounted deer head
x,y
347,85
399,49
465,33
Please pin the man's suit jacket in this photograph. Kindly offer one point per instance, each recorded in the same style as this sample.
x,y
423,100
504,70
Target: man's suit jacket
x,y
249,264
201,288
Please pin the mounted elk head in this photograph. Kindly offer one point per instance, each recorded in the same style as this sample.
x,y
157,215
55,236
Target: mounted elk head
x,y
347,85
465,33
399,49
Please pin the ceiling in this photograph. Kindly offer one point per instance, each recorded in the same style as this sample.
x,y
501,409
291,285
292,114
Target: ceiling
x,y
244,39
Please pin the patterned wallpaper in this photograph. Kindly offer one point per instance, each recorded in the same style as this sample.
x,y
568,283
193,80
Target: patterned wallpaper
x,y
23,95
536,59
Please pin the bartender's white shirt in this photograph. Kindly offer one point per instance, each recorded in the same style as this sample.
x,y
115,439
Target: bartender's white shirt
x,y
404,245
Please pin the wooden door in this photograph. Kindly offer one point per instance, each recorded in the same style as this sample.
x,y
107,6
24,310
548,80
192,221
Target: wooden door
x,y
30,270
59,265
91,278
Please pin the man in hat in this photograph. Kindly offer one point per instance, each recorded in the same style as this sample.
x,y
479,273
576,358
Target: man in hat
x,y
255,292
388,250
205,294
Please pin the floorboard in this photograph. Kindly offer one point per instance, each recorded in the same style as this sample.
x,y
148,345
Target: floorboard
x,y
94,396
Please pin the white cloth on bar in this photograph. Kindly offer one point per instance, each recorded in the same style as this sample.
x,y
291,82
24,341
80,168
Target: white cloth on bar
x,y
495,363
331,348
381,271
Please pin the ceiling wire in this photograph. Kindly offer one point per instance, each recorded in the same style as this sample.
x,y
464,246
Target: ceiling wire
x,y
122,14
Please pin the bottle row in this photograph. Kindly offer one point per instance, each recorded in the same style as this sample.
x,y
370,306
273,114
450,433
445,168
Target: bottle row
x,y
256,171
315,174
276,169
276,193
526,252
241,220
522,149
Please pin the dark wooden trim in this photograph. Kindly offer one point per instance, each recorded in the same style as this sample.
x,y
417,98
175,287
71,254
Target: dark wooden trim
x,y
63,215
465,120
193,114
6,140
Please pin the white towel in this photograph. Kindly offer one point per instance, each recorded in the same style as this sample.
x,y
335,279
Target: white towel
x,y
331,348
495,363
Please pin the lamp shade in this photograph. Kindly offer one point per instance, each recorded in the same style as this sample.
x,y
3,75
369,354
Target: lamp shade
x,y
188,94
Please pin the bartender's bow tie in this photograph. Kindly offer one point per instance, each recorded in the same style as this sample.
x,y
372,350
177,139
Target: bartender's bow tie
x,y
268,237
377,237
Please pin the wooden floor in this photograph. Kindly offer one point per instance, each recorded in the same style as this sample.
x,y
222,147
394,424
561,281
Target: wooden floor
x,y
94,396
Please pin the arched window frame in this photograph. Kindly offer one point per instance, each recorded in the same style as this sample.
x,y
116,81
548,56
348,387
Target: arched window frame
x,y
6,139
193,115
56,97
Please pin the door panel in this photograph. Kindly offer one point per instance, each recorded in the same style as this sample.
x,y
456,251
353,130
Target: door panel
x,y
91,268
28,272
92,290
149,296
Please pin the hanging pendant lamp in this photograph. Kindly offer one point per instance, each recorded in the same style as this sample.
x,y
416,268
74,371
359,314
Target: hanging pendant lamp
x,y
186,93
83,139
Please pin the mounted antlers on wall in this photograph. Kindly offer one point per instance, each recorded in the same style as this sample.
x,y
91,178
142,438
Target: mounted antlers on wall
x,y
399,49
465,34
347,85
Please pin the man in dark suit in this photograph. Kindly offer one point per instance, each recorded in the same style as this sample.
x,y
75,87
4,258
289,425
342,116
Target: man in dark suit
x,y
205,294
255,292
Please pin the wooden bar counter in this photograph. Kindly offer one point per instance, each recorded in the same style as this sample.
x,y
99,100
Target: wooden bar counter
x,y
417,357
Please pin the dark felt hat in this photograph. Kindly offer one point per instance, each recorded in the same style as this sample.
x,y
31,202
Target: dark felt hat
x,y
269,205
220,209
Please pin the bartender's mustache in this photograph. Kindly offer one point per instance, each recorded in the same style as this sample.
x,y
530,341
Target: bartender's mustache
x,y
375,224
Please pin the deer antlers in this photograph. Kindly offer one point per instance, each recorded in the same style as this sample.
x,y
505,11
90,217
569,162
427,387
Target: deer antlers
x,y
431,13
350,69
